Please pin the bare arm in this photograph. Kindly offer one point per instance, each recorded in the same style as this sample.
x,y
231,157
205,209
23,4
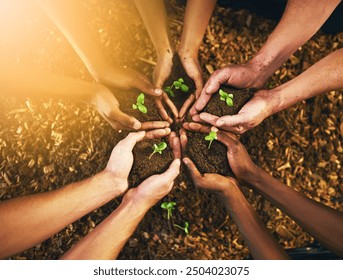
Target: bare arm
x,y
108,238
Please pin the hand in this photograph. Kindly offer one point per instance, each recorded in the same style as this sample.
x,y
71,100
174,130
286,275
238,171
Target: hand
x,y
151,190
239,160
191,65
108,107
252,114
161,73
240,76
126,79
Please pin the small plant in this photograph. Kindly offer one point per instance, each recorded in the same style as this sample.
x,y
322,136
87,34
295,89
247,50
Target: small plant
x,y
169,206
140,104
158,148
185,228
179,84
227,97
210,137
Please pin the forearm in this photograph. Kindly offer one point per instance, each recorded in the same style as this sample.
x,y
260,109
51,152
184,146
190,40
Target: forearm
x,y
24,81
108,238
324,76
27,221
197,16
260,242
300,21
322,222
155,18
66,16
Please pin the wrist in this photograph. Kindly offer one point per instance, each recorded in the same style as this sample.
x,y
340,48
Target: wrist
x,y
141,205
115,186
185,50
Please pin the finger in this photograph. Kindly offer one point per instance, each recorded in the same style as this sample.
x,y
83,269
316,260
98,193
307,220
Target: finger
x,y
127,144
186,105
193,110
201,101
124,119
162,111
218,78
196,118
174,143
234,123
154,125
199,86
157,133
183,140
173,170
143,84
193,170
197,127
170,104
115,125
227,138
211,119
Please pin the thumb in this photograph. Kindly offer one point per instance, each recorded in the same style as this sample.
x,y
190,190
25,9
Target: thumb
x,y
173,171
145,86
216,80
193,170
125,119
234,120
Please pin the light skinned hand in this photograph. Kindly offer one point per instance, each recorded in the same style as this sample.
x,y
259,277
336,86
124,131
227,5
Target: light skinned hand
x,y
239,76
153,189
252,114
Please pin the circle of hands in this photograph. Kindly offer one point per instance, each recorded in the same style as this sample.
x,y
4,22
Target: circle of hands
x,y
227,127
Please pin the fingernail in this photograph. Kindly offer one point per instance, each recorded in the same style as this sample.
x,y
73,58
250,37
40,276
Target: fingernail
x,y
137,125
185,160
158,91
168,130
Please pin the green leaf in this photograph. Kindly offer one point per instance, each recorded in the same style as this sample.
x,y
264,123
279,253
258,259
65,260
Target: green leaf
x,y
177,84
222,93
180,80
230,95
186,227
140,98
142,108
164,205
161,146
184,88
134,106
229,102
222,98
169,91
208,138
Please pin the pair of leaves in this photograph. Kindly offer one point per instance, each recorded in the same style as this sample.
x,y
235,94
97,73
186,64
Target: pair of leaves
x,y
169,206
227,97
179,84
185,228
210,137
140,104
158,148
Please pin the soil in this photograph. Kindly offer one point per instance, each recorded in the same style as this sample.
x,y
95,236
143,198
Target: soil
x,y
179,72
219,108
46,144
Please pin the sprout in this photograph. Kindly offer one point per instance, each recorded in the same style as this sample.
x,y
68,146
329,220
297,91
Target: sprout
x,y
179,84
169,206
227,97
210,137
140,104
185,228
158,148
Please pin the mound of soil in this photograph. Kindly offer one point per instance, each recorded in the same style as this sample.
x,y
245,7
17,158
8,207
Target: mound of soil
x,y
178,72
219,107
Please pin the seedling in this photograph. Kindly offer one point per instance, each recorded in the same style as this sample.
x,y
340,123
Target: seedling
x,y
185,228
179,84
210,137
169,206
227,97
140,104
158,148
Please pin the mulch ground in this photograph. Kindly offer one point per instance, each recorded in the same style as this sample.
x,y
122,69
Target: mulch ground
x,y
46,144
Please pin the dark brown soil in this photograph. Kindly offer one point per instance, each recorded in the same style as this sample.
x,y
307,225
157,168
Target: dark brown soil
x,y
143,167
179,72
219,107
211,160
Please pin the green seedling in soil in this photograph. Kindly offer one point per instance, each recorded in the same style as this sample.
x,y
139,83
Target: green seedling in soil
x,y
140,104
179,84
158,148
185,228
210,137
169,206
227,97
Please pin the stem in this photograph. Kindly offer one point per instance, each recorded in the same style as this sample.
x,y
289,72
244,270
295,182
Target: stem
x,y
180,227
152,154
209,146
